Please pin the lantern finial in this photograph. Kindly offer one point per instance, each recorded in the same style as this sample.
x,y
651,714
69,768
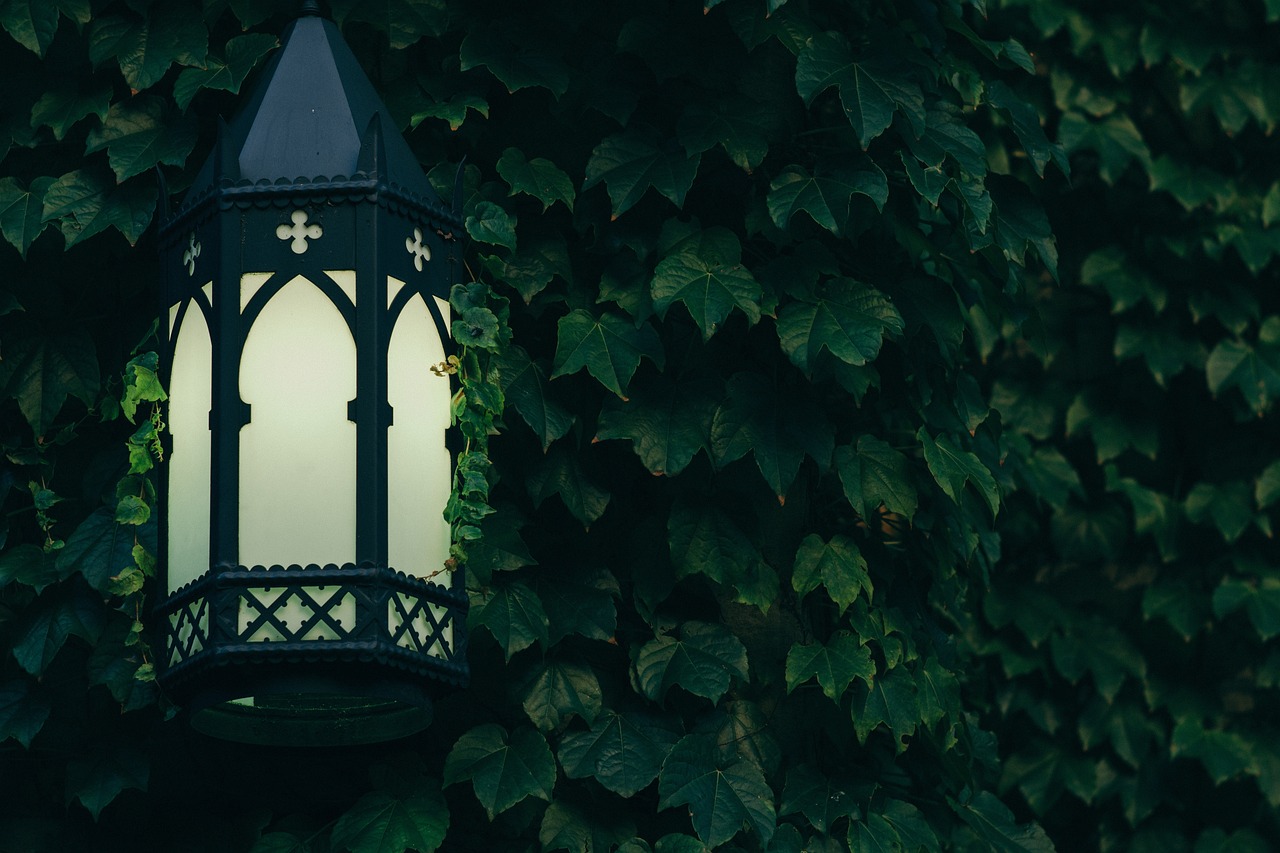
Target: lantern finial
x,y
310,9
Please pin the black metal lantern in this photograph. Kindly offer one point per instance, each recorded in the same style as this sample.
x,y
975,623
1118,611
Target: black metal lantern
x,y
306,281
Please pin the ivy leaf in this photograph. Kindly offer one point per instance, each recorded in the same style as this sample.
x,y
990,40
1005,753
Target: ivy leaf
x,y
99,549
22,712
704,660
499,548
558,473
847,318
40,373
518,63
1026,124
869,91
891,702
1267,487
404,21
623,752
826,195
503,769
708,277
453,110
99,778
32,23
1021,222
609,348
738,124
668,420
565,827
146,48
821,800
48,623
86,204
242,54
703,540
873,475
534,267
1228,505
723,796
538,177
1254,370
835,664
524,386
994,824
559,691
22,212
581,603
1260,599
30,566
630,162
385,822
952,468
58,110
512,613
778,425
837,565
489,223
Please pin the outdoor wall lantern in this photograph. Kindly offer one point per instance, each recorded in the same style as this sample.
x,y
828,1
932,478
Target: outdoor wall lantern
x,y
306,281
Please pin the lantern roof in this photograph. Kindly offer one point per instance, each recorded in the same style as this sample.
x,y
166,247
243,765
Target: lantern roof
x,y
313,120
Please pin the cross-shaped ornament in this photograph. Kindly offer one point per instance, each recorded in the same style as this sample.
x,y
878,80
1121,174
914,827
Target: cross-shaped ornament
x,y
192,252
414,246
299,232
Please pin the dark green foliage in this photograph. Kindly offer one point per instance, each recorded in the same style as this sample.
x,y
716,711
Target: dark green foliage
x,y
837,473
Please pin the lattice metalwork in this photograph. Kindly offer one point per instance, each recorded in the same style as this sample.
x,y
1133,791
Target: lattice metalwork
x,y
420,626
295,613
188,630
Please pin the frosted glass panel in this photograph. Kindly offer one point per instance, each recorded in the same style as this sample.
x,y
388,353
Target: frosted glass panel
x,y
190,390
298,453
418,470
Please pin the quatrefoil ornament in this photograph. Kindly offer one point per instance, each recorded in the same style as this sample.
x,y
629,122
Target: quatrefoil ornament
x,y
299,232
413,245
191,253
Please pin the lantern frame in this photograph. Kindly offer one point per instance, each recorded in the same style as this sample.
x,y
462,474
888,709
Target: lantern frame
x,y
378,642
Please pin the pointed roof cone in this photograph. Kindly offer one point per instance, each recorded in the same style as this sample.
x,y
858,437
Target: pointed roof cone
x,y
309,118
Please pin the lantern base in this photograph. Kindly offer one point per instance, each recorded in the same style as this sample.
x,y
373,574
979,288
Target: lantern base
x,y
311,719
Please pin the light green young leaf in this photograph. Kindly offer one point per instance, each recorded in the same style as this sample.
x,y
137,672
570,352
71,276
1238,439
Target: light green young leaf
x,y
503,769
609,348
723,796
704,660
538,177
835,664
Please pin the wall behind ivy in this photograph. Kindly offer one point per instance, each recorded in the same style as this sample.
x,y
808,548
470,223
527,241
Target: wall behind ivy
x,y
833,507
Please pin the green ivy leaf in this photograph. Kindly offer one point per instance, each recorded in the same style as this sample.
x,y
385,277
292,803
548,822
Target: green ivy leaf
x,y
538,177
953,467
489,223
821,800
890,701
723,796
558,473
559,691
453,110
499,548
1228,505
385,822
1267,487
738,124
582,603
503,769
512,613
99,549
40,373
826,195
668,420
630,162
1021,222
565,827
703,540
1026,124
404,21
837,565
32,23
518,62
29,565
100,777
1254,370
869,90
58,110
779,425
609,348
46,625
708,277
622,751
835,664
23,711
22,212
86,204
1259,598
524,386
848,319
1225,754
146,48
226,74
994,824
873,475
704,660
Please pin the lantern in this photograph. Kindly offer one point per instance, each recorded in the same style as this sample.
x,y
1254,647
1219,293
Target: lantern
x,y
306,279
